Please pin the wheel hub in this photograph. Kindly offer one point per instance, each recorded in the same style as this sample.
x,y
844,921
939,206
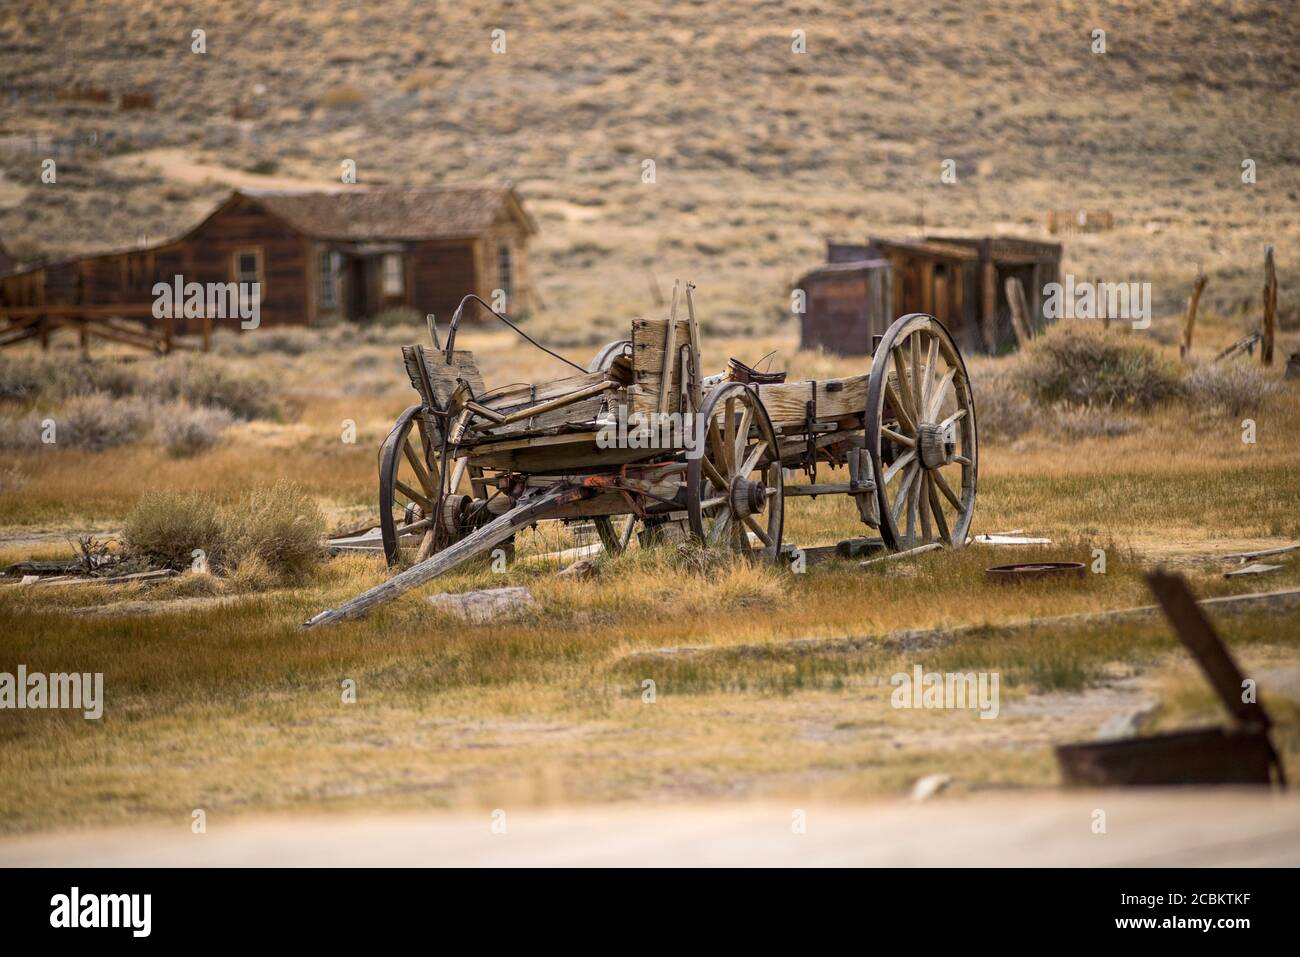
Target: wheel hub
x,y
453,514
938,444
747,498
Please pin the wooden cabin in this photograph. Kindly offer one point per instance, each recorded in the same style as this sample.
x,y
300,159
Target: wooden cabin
x,y
318,254
961,282
847,301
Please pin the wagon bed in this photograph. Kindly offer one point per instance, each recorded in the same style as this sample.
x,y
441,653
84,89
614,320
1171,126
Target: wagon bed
x,y
468,466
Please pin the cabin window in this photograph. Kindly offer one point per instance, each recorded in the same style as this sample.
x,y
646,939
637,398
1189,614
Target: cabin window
x,y
330,263
248,268
505,271
393,274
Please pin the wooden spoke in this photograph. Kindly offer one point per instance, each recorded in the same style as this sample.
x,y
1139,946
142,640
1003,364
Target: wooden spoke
x,y
414,496
713,502
913,347
715,445
742,436
426,546
903,392
961,460
939,518
751,460
898,437
729,438
955,417
715,476
923,506
457,474
947,491
908,477
905,418
417,466
900,463
721,525
936,401
931,360
758,530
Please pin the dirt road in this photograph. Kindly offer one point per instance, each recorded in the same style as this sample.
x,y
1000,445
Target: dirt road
x,y
1185,828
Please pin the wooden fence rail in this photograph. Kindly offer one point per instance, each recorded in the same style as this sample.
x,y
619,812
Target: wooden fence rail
x,y
22,323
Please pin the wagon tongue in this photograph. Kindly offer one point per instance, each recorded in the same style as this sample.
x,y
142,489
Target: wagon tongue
x,y
1199,637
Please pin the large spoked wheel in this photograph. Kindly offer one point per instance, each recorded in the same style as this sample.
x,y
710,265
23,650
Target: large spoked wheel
x,y
920,425
409,479
734,486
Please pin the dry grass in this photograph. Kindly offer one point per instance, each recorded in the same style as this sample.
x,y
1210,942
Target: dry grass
x,y
217,700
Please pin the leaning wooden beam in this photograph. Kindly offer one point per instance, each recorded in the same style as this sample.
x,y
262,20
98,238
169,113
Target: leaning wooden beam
x,y
1189,319
894,556
476,543
1020,324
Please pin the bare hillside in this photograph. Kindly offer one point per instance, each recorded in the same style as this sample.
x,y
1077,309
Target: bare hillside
x,y
760,152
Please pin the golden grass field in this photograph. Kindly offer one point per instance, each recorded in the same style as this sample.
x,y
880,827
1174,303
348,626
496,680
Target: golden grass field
x,y
216,698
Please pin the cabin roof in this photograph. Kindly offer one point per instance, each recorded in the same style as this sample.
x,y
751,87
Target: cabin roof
x,y
377,213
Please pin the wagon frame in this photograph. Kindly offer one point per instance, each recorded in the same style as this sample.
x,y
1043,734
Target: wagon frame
x,y
466,468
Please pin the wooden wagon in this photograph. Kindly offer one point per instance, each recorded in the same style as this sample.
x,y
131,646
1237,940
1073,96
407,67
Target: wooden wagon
x,y
642,435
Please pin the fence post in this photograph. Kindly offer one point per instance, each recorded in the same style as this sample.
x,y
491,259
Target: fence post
x,y
1189,320
1270,308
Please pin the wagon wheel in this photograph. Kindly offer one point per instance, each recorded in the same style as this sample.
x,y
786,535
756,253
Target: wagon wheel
x,y
614,540
920,429
409,478
734,486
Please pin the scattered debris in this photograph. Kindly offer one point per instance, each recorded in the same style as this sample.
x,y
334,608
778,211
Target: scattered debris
x,y
1256,568
928,786
1033,571
857,547
487,605
1247,556
1010,540
908,553
582,570
135,578
1242,754
1127,724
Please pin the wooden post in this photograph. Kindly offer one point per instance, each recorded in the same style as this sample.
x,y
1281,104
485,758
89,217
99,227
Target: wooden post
x,y
1019,311
989,298
1102,305
1270,308
205,325
1189,320
43,324
670,356
168,328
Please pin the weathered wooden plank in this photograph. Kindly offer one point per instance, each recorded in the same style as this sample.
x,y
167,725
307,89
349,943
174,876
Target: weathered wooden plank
x,y
476,543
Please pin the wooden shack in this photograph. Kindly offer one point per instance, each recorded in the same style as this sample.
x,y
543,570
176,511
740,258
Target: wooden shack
x,y
962,283
846,302
317,254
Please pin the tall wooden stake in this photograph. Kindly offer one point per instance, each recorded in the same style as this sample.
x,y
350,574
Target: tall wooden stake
x,y
1270,308
1189,320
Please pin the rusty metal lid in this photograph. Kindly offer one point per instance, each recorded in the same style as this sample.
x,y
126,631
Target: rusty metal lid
x,y
1033,571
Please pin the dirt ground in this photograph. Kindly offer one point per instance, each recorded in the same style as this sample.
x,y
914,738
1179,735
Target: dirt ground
x,y
1087,829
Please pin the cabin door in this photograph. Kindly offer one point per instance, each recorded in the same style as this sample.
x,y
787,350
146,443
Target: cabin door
x,y
360,273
